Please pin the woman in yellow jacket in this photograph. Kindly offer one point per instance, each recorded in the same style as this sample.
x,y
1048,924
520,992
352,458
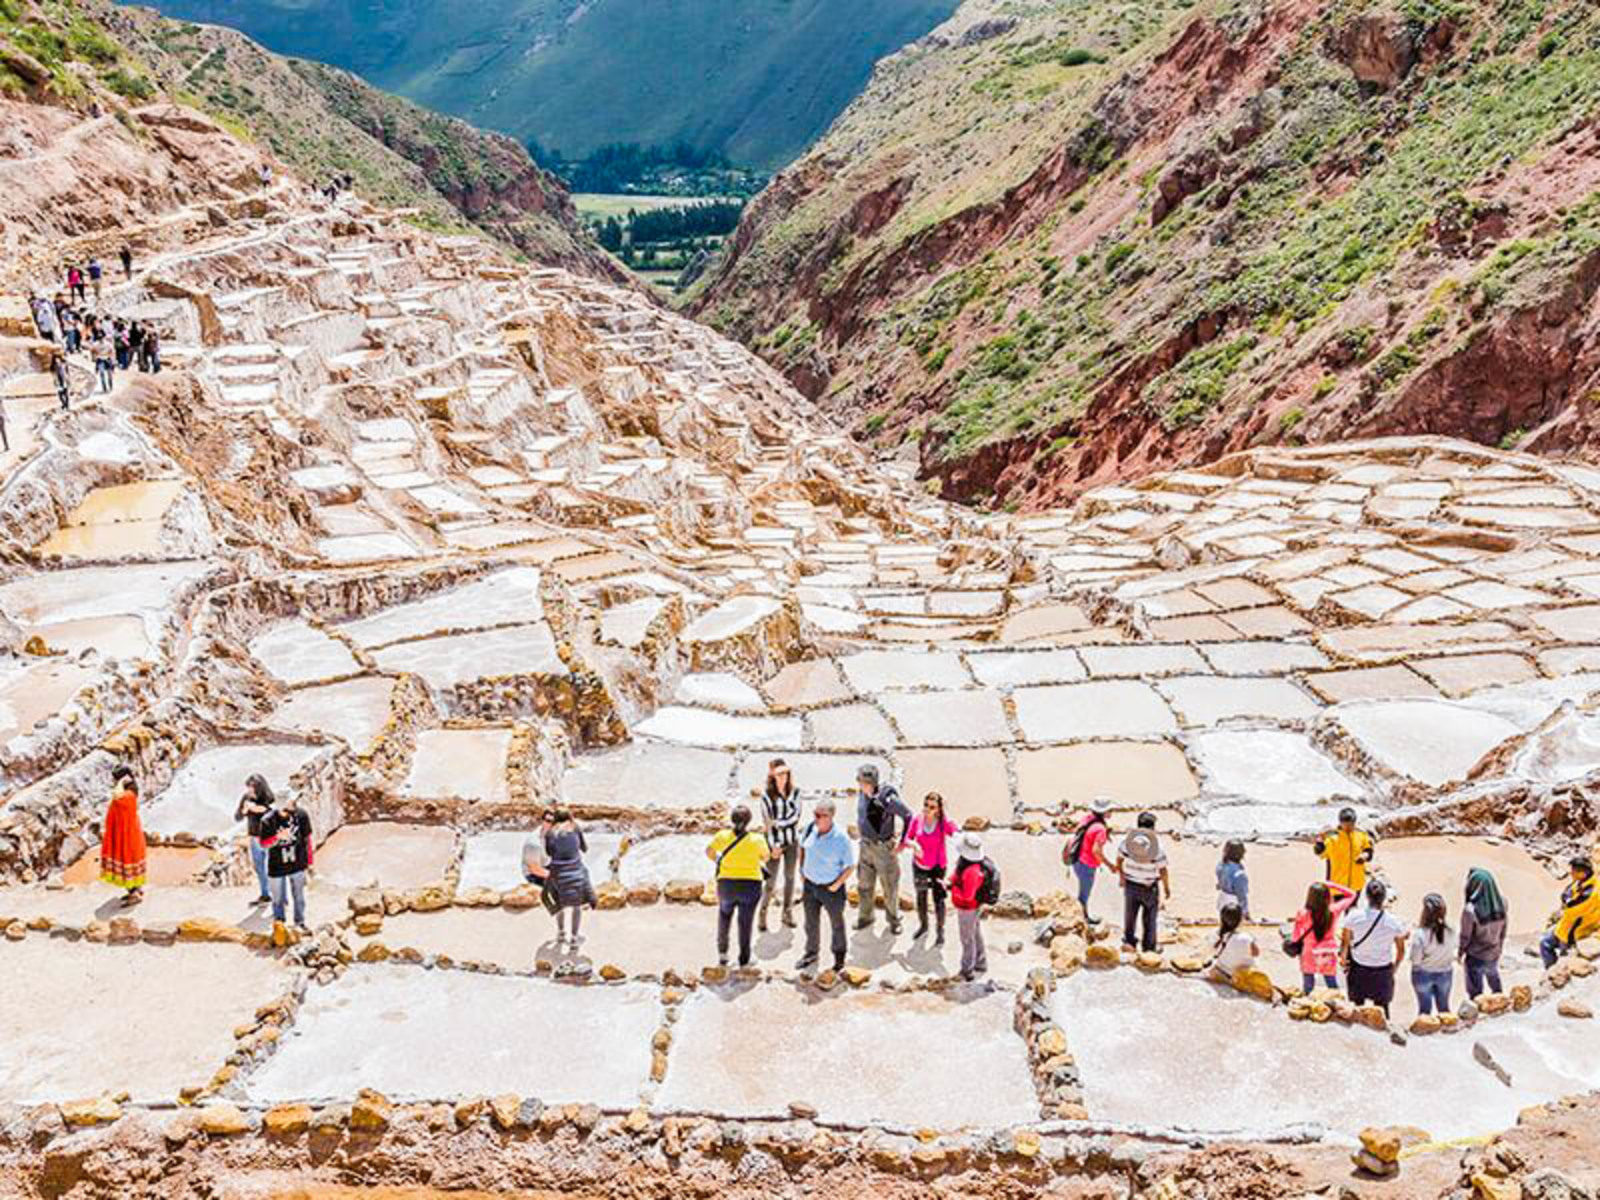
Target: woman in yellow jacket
x,y
1580,913
1347,851
741,859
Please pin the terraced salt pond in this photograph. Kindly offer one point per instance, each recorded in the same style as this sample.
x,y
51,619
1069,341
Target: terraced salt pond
x,y
203,794
1247,1071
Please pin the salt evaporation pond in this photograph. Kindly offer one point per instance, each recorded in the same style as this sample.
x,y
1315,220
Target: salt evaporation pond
x,y
204,793
1241,1067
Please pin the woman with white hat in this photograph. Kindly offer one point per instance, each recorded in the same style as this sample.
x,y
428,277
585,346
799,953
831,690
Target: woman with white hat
x,y
966,894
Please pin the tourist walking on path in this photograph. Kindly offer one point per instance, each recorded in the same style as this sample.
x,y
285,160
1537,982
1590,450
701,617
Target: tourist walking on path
x,y
150,352
565,847
71,329
254,806
967,894
1483,932
75,287
5,441
878,808
1085,851
58,372
826,861
1580,913
928,835
1433,956
1314,936
126,255
1232,882
1347,850
100,350
96,271
1373,945
119,343
44,317
780,813
122,844
286,834
1235,949
1142,868
741,859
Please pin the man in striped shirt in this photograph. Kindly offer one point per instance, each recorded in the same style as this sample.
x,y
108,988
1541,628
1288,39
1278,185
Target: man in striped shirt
x,y
1142,866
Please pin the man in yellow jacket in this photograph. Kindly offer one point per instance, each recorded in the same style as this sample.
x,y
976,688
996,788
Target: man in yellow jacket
x,y
1347,851
1580,913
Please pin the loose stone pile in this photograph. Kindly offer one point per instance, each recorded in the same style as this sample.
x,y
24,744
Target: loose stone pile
x,y
432,541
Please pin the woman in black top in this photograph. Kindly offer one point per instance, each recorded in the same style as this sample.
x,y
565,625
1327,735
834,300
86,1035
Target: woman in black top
x,y
255,804
568,877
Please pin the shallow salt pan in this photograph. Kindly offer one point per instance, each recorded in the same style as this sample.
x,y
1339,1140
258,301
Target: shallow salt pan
x,y
1262,1073
462,658
969,718
504,598
415,1035
1269,767
468,764
731,618
494,859
719,689
913,1059
96,591
355,710
874,671
203,794
296,652
703,727
1088,710
1013,668
648,775
1431,741
660,860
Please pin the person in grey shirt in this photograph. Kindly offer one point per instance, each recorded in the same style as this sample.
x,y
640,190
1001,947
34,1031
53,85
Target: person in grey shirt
x,y
882,818
1483,932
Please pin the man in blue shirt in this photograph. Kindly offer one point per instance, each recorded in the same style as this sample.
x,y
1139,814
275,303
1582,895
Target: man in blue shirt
x,y
882,819
826,861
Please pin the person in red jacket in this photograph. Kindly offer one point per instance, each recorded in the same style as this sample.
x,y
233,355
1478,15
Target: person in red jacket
x,y
966,881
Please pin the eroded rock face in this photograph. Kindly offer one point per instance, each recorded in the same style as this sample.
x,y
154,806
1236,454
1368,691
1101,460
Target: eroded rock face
x,y
1379,48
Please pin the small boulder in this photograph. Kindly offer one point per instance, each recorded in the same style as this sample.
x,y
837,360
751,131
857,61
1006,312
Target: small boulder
x,y
1521,997
371,1111
221,1120
683,891
287,1120
856,976
99,1111
610,896
1576,1009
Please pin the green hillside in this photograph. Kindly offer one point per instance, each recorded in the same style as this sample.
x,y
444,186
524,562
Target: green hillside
x,y
755,79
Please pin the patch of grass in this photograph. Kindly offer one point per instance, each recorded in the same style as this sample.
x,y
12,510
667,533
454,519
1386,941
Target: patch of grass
x,y
874,424
1117,255
1194,386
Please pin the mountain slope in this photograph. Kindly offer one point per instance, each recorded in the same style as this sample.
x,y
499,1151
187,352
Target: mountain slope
x,y
1251,222
320,122
755,79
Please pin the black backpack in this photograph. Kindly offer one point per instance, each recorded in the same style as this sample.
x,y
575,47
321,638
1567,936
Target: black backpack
x,y
989,889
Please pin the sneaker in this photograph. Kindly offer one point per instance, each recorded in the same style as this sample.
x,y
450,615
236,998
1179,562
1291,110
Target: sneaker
x,y
262,900
788,921
894,928
722,960
302,927
922,932
939,941
966,976
761,923
805,964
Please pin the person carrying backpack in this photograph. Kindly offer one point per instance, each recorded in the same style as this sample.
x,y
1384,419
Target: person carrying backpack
x,y
973,883
1142,868
1085,851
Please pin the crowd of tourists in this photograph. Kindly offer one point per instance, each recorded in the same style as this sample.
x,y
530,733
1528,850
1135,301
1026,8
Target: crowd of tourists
x,y
75,326
1347,927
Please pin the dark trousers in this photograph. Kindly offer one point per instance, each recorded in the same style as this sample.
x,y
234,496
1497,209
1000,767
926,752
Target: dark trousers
x,y
739,896
1370,985
1140,900
929,881
1479,972
815,899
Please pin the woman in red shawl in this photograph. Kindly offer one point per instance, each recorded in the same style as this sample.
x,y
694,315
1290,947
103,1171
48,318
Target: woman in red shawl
x,y
122,849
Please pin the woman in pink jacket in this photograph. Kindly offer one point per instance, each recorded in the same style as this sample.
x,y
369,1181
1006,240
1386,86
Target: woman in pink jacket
x,y
1316,931
927,835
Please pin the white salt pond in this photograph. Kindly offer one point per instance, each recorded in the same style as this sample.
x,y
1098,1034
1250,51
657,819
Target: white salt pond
x,y
464,764
1075,711
296,652
719,690
1246,1069
646,775
205,791
1269,767
355,710
1431,741
423,1035
97,591
121,1001
706,727
967,718
878,670
661,860
917,1060
462,658
494,859
1013,668
504,598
